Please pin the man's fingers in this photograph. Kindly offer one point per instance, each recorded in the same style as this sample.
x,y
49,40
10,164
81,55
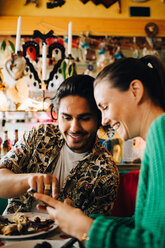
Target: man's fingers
x,y
54,188
68,201
48,184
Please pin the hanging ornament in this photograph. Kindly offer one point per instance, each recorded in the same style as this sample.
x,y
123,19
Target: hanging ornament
x,y
89,70
101,61
15,66
118,54
85,45
136,53
102,51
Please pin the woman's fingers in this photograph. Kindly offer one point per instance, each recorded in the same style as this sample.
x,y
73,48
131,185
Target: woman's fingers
x,y
47,199
52,214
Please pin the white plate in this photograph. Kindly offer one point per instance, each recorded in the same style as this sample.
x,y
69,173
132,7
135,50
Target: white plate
x,y
31,235
32,243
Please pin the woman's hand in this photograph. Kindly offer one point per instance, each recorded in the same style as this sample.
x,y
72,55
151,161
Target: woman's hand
x,y
44,183
71,220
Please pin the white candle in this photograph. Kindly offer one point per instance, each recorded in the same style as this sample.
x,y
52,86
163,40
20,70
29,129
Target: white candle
x,y
18,35
70,38
44,55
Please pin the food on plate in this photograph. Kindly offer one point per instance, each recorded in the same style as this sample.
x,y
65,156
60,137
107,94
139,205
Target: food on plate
x,y
43,245
20,218
20,224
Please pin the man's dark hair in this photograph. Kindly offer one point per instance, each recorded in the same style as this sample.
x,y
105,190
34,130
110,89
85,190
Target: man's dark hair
x,y
78,85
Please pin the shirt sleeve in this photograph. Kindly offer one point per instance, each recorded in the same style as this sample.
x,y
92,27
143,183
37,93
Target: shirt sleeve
x,y
101,199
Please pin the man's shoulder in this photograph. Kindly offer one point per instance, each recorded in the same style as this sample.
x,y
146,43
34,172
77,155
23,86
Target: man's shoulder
x,y
101,153
99,148
50,129
46,133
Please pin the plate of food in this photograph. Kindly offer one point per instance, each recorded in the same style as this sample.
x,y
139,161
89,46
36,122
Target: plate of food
x,y
25,225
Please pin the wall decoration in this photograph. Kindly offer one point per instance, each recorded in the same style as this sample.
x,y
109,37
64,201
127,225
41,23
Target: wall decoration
x,y
32,1
4,45
89,54
55,3
106,3
33,58
3,86
15,66
151,29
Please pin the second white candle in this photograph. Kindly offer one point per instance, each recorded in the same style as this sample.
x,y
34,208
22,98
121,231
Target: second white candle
x,y
44,56
70,38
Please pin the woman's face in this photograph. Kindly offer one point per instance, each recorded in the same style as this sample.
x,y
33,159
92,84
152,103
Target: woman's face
x,y
118,108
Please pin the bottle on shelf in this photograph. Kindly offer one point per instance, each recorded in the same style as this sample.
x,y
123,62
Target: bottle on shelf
x,y
16,136
0,147
6,143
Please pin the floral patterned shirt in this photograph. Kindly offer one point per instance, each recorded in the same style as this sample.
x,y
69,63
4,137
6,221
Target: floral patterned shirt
x,y
92,185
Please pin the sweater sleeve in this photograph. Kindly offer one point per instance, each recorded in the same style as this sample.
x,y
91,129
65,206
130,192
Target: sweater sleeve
x,y
118,233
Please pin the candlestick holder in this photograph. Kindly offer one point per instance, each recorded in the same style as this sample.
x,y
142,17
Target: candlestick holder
x,y
55,55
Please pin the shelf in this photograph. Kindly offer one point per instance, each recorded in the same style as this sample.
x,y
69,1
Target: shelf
x,y
94,26
128,167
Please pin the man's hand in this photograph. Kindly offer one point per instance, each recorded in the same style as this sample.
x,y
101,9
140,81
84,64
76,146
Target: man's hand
x,y
14,185
63,215
44,183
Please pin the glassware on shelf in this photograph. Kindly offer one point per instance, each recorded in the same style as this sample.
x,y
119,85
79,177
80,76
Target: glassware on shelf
x,y
6,143
16,136
0,146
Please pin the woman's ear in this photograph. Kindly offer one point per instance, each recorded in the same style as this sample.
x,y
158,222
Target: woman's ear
x,y
137,90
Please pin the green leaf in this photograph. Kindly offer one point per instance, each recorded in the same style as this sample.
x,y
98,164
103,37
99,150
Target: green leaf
x,y
63,69
12,46
3,45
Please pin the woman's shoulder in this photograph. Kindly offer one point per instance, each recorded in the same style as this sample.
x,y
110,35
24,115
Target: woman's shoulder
x,y
159,122
157,128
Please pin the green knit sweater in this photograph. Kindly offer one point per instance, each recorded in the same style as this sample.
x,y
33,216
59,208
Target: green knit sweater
x,y
147,227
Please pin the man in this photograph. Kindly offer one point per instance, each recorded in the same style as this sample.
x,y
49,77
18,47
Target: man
x,y
66,160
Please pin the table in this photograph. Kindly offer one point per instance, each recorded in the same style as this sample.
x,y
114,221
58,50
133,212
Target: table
x,y
56,238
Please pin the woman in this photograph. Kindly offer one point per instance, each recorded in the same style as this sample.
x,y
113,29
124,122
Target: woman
x,y
131,94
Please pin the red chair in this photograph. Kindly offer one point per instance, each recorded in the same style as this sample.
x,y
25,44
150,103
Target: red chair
x,y
125,203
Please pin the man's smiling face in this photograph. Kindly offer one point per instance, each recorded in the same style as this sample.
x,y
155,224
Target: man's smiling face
x,y
78,123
